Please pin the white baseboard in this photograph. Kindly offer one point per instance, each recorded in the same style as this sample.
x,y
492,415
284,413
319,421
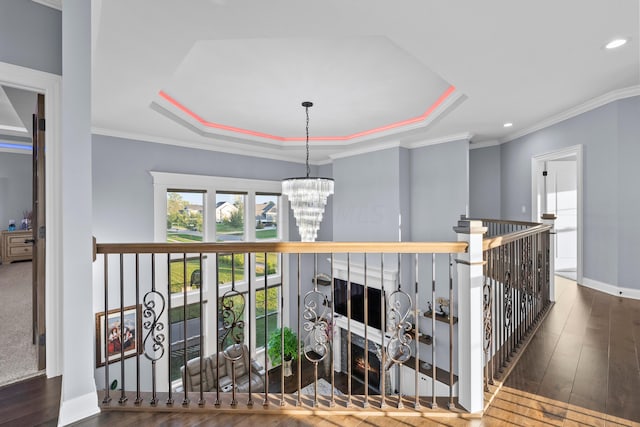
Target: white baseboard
x,y
611,289
78,408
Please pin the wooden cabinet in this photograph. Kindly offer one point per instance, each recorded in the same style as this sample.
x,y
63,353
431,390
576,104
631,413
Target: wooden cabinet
x,y
14,247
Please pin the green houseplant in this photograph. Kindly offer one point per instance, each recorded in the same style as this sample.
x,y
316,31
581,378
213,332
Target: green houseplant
x,y
290,348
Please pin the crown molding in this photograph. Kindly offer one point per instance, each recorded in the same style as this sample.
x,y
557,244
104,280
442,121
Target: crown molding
x,y
484,144
255,151
365,149
589,105
441,140
55,4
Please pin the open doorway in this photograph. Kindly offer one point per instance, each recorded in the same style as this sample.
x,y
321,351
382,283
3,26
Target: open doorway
x,y
557,189
22,272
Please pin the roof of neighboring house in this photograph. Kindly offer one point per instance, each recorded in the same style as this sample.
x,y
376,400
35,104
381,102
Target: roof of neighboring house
x,y
264,208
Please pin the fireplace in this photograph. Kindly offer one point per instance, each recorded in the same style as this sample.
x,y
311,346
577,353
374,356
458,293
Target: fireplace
x,y
359,367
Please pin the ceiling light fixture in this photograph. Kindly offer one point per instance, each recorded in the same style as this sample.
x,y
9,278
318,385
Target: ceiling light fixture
x,y
616,43
308,196
508,125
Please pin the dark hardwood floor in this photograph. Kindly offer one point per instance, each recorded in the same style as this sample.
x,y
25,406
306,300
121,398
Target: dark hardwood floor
x,y
33,402
582,368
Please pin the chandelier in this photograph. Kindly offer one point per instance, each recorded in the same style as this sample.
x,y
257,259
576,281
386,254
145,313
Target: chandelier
x,y
308,196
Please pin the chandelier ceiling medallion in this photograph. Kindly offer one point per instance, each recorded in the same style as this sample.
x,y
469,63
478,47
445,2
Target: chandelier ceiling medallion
x,y
308,196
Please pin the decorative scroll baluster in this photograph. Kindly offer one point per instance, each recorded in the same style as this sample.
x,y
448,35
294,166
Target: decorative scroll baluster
x,y
232,308
416,404
487,310
316,316
153,342
398,326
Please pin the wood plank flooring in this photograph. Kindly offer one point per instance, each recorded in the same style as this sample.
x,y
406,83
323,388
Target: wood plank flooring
x,y
581,369
33,402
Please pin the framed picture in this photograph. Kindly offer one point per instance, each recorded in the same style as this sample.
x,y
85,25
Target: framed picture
x,y
121,334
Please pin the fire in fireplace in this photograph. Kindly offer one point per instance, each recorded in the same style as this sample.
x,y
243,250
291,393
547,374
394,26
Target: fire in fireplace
x,y
359,368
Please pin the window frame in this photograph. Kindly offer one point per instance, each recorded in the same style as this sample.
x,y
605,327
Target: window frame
x,y
210,186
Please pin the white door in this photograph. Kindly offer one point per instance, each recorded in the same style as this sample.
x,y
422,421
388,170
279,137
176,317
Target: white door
x,y
562,199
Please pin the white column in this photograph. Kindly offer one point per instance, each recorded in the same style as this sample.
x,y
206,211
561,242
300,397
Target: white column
x,y
79,398
470,316
550,219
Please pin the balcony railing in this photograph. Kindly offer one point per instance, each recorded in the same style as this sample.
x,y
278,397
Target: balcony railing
x,y
402,319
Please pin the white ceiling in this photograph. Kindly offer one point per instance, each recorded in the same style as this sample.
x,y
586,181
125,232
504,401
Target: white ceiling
x,y
364,63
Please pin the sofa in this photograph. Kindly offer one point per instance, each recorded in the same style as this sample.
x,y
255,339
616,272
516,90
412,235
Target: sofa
x,y
217,372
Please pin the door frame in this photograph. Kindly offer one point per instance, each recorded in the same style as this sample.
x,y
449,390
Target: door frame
x,y
536,162
48,84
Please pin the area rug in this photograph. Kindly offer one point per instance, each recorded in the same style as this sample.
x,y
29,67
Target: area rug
x,y
18,357
324,389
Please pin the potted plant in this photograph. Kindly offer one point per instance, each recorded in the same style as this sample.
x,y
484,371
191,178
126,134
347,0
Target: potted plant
x,y
290,348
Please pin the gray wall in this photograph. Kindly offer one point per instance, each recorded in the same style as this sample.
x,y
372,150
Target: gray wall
x,y
628,193
123,188
31,35
609,135
366,203
439,190
484,182
15,187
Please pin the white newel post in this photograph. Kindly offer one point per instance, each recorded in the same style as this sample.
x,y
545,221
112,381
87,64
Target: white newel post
x,y
470,313
550,219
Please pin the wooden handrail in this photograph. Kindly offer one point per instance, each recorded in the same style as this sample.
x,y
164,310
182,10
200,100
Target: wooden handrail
x,y
283,247
506,221
494,242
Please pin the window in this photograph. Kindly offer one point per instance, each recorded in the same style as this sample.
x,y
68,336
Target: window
x,y
195,208
178,344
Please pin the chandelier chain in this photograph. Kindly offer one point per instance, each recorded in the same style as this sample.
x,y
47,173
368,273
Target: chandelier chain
x,y
308,169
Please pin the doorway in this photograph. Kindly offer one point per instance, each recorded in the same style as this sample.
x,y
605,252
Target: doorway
x,y
34,81
557,188
22,272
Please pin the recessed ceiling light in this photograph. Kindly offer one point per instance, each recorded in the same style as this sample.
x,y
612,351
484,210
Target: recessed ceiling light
x,y
616,43
507,125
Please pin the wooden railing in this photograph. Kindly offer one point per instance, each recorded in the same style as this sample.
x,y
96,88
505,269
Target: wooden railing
x,y
407,274
418,353
516,291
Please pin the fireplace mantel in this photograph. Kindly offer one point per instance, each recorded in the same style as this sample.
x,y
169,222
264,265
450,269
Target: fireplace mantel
x,y
356,272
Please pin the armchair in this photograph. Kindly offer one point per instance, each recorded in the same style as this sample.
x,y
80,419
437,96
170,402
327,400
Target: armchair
x,y
218,371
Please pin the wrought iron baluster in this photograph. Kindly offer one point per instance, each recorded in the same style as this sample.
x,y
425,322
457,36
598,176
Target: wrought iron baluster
x,y
398,326
106,398
138,332
185,400
154,338
123,397
170,396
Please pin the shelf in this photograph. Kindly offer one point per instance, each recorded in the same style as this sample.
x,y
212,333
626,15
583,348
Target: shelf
x,y
440,317
423,338
441,375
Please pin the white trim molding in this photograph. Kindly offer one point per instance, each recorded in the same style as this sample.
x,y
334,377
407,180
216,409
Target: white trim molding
x,y
589,105
607,288
559,154
49,84
54,4
78,408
